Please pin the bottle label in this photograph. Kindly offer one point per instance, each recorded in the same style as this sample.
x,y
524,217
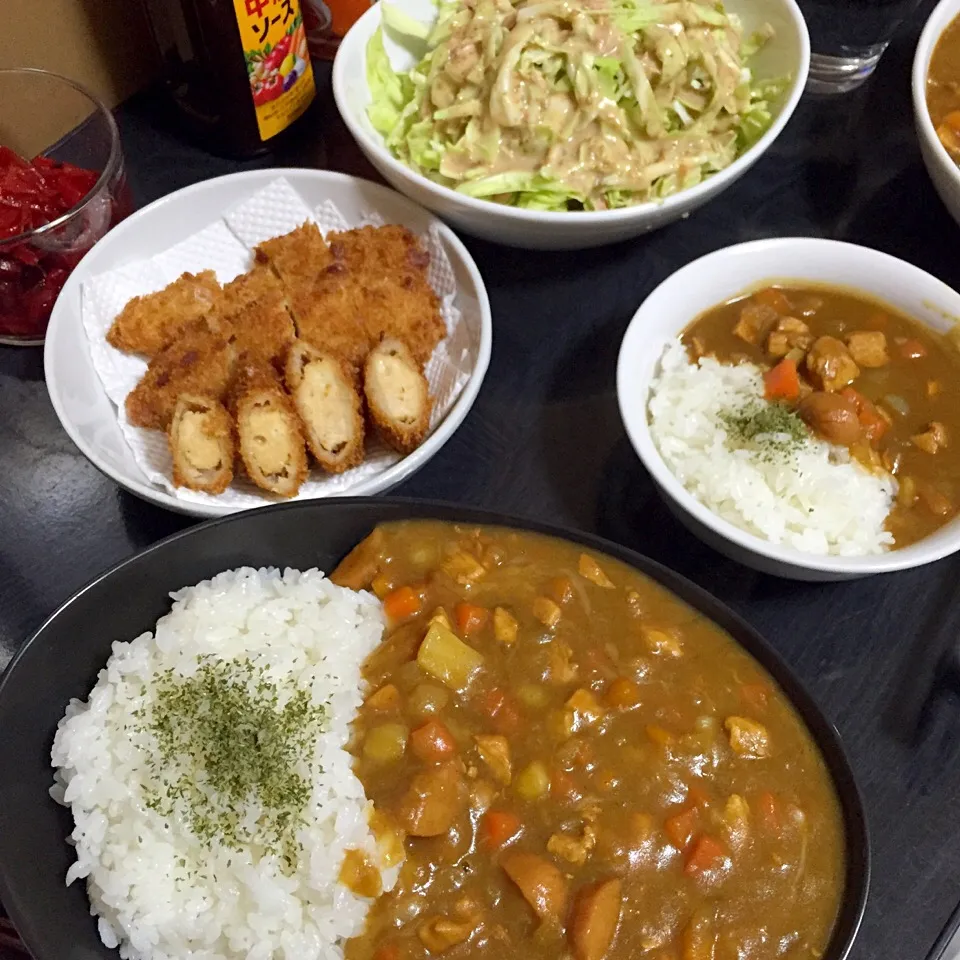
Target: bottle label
x,y
278,61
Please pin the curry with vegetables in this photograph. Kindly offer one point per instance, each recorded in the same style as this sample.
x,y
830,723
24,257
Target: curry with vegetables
x,y
579,765
860,375
943,88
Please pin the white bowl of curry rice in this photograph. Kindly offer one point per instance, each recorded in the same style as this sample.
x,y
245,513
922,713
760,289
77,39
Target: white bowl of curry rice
x,y
936,101
797,403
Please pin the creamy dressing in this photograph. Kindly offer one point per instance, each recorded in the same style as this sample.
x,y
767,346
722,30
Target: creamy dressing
x,y
519,93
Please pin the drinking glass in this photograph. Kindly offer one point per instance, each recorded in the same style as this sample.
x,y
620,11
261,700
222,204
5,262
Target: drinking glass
x,y
848,37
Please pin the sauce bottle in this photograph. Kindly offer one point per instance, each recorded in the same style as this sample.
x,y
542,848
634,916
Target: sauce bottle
x,y
238,71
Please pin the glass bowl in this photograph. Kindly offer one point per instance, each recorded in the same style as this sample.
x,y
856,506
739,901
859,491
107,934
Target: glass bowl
x,y
45,115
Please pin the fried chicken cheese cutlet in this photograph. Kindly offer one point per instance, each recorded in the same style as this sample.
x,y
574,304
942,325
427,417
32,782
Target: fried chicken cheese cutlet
x,y
398,398
255,311
199,361
269,434
201,444
296,256
329,314
148,323
323,387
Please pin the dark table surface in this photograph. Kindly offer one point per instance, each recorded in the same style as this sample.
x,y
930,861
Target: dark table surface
x,y
545,440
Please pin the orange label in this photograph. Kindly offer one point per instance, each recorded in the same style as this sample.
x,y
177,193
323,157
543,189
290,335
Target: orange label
x,y
278,61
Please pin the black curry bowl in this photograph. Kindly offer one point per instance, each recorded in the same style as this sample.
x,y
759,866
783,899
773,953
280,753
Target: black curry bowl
x,y
63,658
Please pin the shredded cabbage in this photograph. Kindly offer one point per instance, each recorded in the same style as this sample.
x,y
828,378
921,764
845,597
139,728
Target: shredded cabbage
x,y
571,104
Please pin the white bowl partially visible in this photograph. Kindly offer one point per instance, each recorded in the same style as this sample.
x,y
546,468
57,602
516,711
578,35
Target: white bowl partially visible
x,y
78,395
717,277
787,54
943,170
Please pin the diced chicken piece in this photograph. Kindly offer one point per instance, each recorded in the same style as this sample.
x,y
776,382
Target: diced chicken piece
x,y
546,611
581,710
434,799
543,886
596,916
591,570
358,568
495,753
747,737
662,642
463,567
830,365
736,816
505,626
933,388
789,334
868,348
561,668
438,934
932,439
574,849
754,321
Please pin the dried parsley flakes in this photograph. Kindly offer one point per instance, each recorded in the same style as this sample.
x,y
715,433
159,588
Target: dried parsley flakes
x,y
232,755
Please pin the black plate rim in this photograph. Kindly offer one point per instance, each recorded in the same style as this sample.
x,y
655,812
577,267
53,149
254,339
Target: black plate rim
x,y
823,731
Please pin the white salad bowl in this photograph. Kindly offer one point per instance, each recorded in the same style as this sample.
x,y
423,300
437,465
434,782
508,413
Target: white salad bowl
x,y
786,55
943,170
717,277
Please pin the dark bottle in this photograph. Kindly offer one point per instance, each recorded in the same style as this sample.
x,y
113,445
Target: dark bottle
x,y
238,70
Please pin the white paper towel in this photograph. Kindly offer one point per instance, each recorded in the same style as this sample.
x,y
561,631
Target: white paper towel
x,y
226,246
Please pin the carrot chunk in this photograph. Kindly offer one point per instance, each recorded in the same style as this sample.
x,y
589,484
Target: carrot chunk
x,y
432,742
401,603
704,854
681,827
498,828
768,811
782,381
873,423
911,349
470,618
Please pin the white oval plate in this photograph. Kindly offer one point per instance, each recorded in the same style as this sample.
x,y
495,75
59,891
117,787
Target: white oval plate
x,y
75,389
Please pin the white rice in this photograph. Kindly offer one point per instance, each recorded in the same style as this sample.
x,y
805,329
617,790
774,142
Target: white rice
x,y
817,499
298,629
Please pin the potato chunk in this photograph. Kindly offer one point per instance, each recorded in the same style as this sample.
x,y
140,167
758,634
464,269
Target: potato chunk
x,y
868,348
830,365
747,737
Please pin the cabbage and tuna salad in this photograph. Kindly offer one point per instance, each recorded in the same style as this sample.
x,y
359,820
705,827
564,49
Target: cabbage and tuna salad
x,y
571,104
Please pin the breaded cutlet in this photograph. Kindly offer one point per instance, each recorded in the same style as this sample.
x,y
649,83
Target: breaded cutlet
x,y
255,311
296,256
329,314
390,249
390,264
404,307
259,284
200,361
269,433
324,391
201,444
398,399
148,323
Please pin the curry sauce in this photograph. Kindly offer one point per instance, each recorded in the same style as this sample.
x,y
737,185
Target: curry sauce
x,y
943,88
579,764
862,376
